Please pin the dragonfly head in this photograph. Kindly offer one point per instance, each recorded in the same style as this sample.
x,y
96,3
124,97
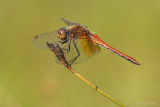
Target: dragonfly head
x,y
62,33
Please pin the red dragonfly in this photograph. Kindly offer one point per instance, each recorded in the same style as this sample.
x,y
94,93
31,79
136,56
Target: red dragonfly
x,y
77,42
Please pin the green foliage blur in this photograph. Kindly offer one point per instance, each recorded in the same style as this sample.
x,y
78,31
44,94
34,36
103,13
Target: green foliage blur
x,y
30,77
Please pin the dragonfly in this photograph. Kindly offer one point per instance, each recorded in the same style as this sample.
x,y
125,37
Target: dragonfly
x,y
77,43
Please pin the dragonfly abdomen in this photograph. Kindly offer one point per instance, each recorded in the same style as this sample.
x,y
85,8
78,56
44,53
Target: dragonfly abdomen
x,y
98,41
121,54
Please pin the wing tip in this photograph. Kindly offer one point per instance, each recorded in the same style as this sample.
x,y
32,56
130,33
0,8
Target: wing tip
x,y
36,37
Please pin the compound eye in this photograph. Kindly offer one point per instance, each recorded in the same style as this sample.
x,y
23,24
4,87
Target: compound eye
x,y
61,33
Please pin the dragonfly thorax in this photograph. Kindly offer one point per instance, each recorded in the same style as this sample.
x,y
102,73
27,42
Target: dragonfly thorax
x,y
78,31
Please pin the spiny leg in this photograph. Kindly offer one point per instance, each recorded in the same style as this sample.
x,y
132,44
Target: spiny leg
x,y
68,47
74,59
63,41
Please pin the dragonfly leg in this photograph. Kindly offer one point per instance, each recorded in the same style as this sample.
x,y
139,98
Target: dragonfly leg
x,y
64,41
74,59
68,46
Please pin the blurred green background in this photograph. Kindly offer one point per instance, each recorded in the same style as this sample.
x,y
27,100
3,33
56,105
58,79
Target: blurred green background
x,y
30,77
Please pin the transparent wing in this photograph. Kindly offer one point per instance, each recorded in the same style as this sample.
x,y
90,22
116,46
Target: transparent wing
x,y
40,41
70,23
86,49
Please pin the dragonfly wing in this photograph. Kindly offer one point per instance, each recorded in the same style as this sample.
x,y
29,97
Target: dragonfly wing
x,y
70,23
40,41
86,50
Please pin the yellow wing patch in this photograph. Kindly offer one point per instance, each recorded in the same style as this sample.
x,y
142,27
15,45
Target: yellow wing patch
x,y
89,48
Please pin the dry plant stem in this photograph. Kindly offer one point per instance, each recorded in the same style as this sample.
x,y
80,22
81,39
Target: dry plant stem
x,y
95,87
60,55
